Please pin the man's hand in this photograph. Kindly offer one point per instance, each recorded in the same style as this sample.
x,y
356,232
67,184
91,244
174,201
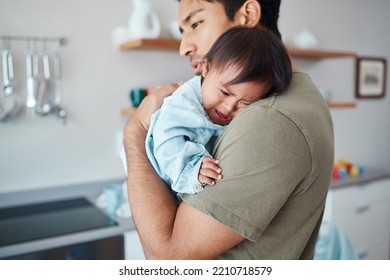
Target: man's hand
x,y
209,171
152,102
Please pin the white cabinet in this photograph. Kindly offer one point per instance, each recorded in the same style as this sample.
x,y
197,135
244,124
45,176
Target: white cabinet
x,y
133,247
362,211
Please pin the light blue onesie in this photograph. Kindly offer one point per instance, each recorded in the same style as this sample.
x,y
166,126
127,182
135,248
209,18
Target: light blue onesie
x,y
178,134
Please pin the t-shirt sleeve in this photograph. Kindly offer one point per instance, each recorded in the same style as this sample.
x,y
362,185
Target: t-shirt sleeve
x,y
264,156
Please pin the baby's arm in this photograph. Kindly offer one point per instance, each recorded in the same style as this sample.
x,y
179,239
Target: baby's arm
x,y
209,171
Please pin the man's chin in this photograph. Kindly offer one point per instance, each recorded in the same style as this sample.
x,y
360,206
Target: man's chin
x,y
198,69
197,72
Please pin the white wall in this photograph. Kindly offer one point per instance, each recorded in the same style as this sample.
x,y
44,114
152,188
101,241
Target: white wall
x,y
40,152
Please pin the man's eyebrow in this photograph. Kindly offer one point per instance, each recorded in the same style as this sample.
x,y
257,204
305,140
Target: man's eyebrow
x,y
190,15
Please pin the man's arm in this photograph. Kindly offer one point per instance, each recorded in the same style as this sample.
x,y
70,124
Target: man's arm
x,y
167,231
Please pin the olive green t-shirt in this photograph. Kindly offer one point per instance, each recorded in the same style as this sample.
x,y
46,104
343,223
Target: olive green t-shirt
x,y
277,159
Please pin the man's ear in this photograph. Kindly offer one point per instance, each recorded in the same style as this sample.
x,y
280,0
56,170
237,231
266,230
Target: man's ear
x,y
250,13
205,68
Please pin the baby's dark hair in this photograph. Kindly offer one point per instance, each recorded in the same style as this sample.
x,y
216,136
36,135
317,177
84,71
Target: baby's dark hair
x,y
258,55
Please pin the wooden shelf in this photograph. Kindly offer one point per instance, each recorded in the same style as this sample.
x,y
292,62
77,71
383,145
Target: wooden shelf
x,y
173,45
319,53
155,44
127,112
341,105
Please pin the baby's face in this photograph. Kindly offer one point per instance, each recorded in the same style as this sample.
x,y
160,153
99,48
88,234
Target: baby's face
x,y
223,102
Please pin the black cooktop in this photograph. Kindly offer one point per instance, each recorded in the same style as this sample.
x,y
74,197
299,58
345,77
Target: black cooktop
x,y
37,221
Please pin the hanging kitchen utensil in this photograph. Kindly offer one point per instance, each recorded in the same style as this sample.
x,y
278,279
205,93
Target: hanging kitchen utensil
x,y
8,67
7,72
10,103
57,76
61,113
45,98
32,74
30,87
47,75
10,61
35,71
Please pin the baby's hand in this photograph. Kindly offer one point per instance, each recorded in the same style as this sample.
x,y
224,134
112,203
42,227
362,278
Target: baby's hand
x,y
209,171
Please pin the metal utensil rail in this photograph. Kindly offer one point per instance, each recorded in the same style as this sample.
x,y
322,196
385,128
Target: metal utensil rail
x,y
61,40
43,91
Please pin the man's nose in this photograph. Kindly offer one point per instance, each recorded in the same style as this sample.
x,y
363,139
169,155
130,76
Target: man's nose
x,y
186,47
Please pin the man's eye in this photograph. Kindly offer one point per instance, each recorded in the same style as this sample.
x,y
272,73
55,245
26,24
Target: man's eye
x,y
195,24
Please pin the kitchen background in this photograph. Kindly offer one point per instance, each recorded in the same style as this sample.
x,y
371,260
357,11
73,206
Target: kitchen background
x,y
40,152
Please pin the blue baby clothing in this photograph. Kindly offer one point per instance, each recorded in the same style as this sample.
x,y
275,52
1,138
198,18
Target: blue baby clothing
x,y
177,136
333,244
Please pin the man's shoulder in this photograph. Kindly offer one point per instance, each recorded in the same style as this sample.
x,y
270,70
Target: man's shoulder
x,y
299,107
302,98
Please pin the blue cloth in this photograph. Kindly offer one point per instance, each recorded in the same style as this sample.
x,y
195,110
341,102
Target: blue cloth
x,y
178,134
333,244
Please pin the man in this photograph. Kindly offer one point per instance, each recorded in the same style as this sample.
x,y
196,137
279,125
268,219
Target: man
x,y
276,158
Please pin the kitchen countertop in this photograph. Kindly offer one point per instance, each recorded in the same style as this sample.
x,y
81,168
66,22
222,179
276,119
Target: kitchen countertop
x,y
368,176
124,225
89,191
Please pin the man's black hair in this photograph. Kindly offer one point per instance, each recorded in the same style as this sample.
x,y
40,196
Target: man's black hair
x,y
269,12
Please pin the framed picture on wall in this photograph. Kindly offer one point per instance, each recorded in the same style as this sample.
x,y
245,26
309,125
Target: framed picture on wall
x,y
370,77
